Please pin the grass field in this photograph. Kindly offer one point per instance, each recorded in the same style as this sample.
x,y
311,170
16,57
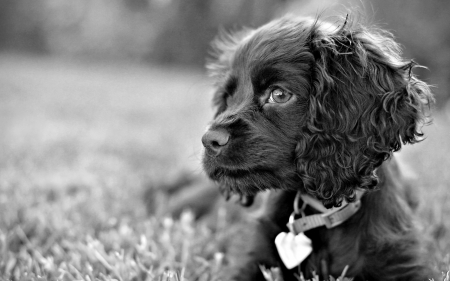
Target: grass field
x,y
80,142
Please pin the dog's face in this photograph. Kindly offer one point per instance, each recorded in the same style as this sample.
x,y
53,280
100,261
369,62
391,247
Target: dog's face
x,y
305,105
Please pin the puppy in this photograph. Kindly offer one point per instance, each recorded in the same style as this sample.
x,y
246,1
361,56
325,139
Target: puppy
x,y
313,112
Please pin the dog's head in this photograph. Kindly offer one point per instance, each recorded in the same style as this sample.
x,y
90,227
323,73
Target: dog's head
x,y
302,104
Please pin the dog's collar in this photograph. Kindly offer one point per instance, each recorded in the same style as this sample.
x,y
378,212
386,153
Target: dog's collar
x,y
328,218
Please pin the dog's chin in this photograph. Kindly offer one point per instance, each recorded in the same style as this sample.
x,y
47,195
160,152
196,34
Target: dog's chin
x,y
247,181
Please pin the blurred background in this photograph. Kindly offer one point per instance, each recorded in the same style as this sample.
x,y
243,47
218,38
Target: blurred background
x,y
101,101
178,32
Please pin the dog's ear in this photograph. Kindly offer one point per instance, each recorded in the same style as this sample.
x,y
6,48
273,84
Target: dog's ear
x,y
364,103
404,110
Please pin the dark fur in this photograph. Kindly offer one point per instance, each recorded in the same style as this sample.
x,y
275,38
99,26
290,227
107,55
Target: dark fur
x,y
355,102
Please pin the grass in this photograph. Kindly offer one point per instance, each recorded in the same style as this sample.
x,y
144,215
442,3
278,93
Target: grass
x,y
81,142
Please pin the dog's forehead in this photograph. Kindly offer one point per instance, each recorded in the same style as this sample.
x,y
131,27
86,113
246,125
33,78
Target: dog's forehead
x,y
277,41
279,45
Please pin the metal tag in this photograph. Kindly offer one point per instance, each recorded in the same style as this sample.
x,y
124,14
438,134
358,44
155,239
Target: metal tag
x,y
293,249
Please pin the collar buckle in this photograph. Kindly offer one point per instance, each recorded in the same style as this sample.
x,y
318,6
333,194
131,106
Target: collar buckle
x,y
338,216
329,220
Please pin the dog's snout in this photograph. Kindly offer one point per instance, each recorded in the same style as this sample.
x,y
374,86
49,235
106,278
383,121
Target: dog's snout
x,y
215,140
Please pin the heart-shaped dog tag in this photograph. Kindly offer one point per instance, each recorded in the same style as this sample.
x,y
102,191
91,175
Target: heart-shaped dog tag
x,y
293,249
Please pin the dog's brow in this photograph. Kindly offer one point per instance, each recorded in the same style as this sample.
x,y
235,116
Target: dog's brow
x,y
264,76
290,74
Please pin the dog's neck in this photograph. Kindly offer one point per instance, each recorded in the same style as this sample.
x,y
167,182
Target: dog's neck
x,y
318,205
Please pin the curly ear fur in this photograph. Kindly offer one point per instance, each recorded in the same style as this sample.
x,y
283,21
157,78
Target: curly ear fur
x,y
364,104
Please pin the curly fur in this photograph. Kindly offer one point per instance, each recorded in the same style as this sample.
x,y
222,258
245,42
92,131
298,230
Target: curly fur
x,y
363,101
342,145
355,101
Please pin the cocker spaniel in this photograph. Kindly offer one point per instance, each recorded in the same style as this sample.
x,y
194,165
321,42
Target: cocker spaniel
x,y
313,112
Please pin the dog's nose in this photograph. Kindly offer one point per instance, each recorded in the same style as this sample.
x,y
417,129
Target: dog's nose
x,y
215,140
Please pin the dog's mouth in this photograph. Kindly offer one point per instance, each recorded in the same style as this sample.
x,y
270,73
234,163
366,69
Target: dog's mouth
x,y
247,181
220,173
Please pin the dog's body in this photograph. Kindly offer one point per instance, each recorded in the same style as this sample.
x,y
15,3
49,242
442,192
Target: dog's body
x,y
377,243
307,107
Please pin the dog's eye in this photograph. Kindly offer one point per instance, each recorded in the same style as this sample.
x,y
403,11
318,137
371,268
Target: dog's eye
x,y
278,95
